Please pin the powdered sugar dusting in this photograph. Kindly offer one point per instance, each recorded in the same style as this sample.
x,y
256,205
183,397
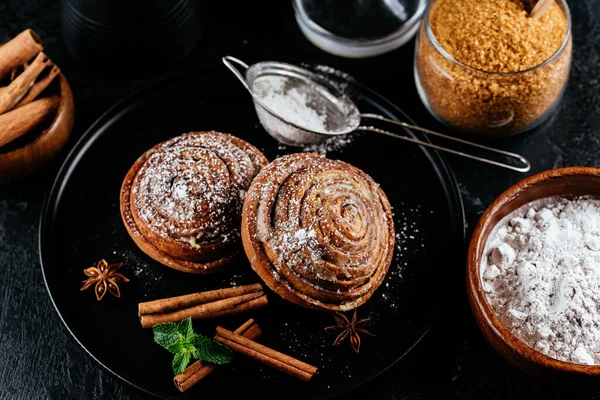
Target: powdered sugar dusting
x,y
409,242
333,72
340,79
334,144
322,223
191,189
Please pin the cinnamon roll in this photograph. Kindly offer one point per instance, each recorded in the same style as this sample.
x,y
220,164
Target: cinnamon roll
x,y
181,201
318,232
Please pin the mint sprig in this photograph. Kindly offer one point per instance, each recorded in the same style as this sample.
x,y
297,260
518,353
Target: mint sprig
x,y
181,341
211,351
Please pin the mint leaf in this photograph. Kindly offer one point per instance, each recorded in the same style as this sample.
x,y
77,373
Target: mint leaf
x,y
167,336
198,341
211,351
180,361
185,329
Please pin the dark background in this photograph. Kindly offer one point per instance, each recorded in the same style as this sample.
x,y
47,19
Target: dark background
x,y
40,360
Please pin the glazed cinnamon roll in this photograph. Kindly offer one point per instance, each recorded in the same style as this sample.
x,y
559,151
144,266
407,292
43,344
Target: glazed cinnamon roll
x,y
318,232
181,201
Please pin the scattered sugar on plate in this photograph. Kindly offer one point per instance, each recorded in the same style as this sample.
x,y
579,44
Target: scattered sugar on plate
x,y
335,144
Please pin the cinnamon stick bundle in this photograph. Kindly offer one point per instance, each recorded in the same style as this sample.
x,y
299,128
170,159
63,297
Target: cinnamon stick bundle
x,y
273,358
203,305
21,85
38,87
18,51
198,370
21,120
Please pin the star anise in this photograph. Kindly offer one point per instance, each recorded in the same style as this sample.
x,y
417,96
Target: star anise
x,y
105,277
350,329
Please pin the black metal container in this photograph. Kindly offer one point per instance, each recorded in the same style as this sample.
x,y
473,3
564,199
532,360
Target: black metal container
x,y
129,33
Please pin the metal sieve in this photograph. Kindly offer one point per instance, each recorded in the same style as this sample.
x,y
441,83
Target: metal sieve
x,y
341,115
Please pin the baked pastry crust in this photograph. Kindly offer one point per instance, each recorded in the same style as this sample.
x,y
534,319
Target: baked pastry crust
x,y
319,232
181,201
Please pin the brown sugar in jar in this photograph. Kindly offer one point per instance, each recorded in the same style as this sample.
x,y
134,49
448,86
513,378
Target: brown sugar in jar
x,y
487,67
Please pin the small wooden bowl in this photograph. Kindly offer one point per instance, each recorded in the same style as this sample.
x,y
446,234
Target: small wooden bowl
x,y
565,182
25,160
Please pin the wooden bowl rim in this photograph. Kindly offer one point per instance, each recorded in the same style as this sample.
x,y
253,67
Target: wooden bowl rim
x,y
66,101
477,297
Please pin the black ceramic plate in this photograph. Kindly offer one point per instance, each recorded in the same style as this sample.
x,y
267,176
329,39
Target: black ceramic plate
x,y
81,224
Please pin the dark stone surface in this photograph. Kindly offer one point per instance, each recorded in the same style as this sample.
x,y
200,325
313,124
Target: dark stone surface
x,y
40,360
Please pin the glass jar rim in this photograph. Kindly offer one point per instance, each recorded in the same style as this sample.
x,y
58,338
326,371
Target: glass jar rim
x,y
449,57
402,30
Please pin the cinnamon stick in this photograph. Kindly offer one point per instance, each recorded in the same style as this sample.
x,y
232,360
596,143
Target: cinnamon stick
x,y
38,87
16,52
179,302
229,306
273,358
198,370
17,89
243,308
19,121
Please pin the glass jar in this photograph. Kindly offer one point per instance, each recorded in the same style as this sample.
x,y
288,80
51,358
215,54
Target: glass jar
x,y
489,103
359,28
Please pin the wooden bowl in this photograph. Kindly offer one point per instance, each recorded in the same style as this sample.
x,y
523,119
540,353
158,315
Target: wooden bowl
x,y
26,160
566,182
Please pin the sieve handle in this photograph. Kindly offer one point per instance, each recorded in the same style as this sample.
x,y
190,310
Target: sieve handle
x,y
525,165
228,60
